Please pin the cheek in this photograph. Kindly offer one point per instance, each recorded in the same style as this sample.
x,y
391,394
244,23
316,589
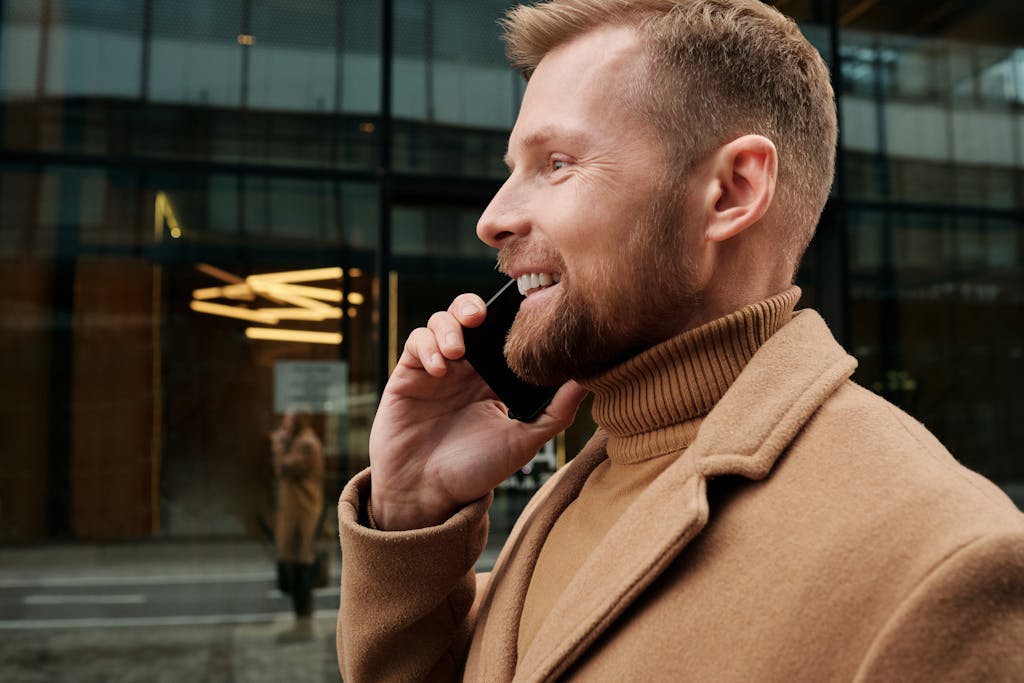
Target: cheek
x,y
592,232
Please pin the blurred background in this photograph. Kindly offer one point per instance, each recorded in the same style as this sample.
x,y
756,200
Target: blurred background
x,y
213,209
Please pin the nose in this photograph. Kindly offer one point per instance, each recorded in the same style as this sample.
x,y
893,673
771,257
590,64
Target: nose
x,y
504,218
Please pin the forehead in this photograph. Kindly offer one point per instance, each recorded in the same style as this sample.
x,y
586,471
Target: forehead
x,y
578,89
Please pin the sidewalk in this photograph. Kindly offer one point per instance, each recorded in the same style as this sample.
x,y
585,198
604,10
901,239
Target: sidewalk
x,y
252,559
133,560
220,647
241,653
217,648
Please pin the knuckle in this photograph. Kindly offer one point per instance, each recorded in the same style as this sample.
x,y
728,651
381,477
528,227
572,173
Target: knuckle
x,y
417,338
439,319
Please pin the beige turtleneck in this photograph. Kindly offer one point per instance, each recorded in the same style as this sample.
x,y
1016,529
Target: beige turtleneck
x,y
651,407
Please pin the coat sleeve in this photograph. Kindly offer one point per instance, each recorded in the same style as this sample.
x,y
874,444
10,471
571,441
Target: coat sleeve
x,y
964,622
406,596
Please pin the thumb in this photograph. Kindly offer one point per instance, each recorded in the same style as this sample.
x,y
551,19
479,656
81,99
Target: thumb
x,y
560,413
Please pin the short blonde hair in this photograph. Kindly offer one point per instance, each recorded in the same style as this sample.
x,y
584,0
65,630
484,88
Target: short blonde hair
x,y
714,70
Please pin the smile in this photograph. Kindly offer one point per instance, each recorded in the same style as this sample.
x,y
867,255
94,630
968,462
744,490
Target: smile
x,y
532,282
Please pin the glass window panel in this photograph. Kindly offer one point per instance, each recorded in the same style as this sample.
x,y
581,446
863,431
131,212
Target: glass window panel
x,y
1018,136
438,233
303,209
960,67
939,344
860,124
917,71
917,131
918,246
222,209
19,48
866,176
997,81
450,71
195,55
94,61
191,394
1005,252
970,243
296,55
922,181
982,137
276,100
18,219
865,238
71,204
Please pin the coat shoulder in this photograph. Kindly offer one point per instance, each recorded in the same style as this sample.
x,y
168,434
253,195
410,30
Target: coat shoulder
x,y
963,621
866,439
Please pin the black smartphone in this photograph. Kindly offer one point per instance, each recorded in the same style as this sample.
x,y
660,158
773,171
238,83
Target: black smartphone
x,y
485,351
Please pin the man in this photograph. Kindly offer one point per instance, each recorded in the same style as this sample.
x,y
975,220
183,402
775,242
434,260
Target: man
x,y
744,512
299,469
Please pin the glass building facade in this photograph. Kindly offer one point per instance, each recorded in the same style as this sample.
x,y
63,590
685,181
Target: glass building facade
x,y
172,170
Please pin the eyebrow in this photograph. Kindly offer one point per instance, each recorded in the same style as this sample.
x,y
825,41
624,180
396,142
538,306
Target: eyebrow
x,y
545,134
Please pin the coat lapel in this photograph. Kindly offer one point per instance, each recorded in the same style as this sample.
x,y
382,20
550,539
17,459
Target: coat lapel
x,y
633,554
782,386
492,654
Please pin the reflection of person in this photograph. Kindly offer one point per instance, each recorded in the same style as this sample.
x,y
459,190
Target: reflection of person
x,y
744,511
299,468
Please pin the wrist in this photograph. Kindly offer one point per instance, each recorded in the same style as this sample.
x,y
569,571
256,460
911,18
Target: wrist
x,y
384,514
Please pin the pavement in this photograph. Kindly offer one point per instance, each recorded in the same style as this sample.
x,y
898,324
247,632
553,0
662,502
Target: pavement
x,y
159,611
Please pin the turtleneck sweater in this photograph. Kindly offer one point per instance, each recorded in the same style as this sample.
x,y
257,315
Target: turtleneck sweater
x,y
650,407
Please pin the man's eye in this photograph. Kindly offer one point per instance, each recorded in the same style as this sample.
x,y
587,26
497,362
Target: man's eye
x,y
558,164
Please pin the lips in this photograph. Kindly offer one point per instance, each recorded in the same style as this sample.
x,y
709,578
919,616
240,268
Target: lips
x,y
532,282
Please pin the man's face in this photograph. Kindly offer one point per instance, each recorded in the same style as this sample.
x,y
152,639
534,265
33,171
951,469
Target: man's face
x,y
585,215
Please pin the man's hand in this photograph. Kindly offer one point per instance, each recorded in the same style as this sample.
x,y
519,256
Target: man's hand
x,y
441,438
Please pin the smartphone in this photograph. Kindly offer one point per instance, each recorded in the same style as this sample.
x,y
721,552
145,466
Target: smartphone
x,y
485,351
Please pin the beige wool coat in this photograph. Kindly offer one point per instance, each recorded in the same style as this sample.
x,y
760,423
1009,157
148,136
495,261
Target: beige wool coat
x,y
811,532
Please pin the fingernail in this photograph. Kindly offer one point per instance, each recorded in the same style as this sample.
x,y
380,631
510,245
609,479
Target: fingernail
x,y
468,309
437,360
451,339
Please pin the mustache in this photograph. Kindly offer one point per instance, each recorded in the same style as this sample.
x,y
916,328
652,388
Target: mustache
x,y
518,251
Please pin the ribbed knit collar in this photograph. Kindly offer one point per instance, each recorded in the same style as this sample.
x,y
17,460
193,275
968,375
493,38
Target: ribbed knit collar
x,y
653,403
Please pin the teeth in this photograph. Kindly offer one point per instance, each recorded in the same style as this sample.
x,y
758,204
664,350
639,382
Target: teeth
x,y
529,282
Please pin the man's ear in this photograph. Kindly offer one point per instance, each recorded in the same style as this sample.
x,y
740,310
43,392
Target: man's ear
x,y
740,186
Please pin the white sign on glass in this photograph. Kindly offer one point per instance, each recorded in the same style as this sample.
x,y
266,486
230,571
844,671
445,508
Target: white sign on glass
x,y
316,385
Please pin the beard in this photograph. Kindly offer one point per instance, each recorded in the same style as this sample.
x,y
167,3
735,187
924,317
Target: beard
x,y
623,307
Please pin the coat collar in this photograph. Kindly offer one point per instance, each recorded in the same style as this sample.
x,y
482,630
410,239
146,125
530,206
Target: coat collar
x,y
745,434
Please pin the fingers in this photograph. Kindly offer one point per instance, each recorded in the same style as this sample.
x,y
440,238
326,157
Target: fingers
x,y
422,350
441,340
469,309
561,412
557,417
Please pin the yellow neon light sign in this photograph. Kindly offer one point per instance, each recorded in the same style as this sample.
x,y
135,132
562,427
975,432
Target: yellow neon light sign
x,y
310,275
306,336
299,302
233,312
162,211
296,302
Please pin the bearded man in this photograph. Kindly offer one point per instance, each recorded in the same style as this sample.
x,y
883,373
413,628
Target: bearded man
x,y
744,512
